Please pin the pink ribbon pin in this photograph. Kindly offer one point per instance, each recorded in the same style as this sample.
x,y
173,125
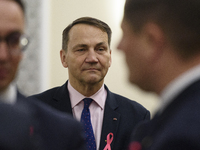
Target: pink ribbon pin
x,y
31,130
109,141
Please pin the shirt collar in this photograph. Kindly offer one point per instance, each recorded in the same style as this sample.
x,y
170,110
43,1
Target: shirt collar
x,y
177,86
9,95
99,97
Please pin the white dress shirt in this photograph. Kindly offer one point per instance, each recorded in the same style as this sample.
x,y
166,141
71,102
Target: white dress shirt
x,y
177,86
9,95
96,109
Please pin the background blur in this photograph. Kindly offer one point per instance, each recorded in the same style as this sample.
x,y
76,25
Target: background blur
x,y
41,68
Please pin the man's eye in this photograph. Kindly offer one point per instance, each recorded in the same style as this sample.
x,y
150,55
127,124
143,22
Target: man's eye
x,y
80,50
101,49
13,39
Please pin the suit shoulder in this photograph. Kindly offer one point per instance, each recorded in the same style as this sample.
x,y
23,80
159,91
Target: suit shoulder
x,y
49,113
56,124
46,96
127,105
48,93
126,101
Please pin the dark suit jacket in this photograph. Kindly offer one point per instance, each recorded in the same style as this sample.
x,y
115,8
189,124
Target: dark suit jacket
x,y
128,114
48,129
177,128
14,128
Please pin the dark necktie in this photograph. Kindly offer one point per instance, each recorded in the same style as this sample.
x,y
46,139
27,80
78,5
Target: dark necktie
x,y
85,119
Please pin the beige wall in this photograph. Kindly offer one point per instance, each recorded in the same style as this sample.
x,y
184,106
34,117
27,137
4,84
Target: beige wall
x,y
63,12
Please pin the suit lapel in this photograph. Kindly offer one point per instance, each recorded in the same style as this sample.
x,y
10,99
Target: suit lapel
x,y
63,100
111,120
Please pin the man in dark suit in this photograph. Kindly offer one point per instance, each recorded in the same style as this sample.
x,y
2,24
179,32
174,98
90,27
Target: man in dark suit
x,y
31,125
87,55
161,41
27,124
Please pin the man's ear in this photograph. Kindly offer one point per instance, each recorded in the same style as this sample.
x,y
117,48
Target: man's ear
x,y
110,62
155,39
63,59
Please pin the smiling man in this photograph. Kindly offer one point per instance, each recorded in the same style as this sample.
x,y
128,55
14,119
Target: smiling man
x,y
87,55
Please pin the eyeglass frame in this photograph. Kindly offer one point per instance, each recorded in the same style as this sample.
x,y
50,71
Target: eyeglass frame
x,y
21,44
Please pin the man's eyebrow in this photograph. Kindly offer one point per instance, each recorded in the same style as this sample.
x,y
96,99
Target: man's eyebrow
x,y
14,32
101,43
79,45
85,45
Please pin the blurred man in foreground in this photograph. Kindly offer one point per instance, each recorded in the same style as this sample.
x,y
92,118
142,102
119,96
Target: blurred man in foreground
x,y
161,42
27,124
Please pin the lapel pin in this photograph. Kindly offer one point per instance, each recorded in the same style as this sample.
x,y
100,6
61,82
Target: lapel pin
x,y
109,141
115,119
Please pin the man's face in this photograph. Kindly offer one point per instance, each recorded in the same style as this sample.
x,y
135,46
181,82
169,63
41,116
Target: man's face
x,y
88,56
135,48
11,22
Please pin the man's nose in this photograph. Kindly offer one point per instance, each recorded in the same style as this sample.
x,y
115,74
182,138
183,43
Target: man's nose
x,y
4,53
91,56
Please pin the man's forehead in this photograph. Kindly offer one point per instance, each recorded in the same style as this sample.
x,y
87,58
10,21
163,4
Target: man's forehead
x,y
79,30
86,26
11,5
11,17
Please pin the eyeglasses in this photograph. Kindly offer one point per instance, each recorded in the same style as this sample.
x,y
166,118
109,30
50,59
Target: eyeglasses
x,y
16,42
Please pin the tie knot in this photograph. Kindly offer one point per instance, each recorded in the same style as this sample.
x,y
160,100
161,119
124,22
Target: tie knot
x,y
87,102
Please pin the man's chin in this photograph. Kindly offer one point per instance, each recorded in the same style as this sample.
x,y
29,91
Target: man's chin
x,y
141,85
93,80
3,86
135,82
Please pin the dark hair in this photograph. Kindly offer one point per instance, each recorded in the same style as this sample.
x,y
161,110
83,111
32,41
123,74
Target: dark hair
x,y
85,20
179,20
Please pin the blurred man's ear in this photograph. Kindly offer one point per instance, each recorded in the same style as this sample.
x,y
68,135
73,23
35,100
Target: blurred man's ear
x,y
155,35
110,62
63,58
155,39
